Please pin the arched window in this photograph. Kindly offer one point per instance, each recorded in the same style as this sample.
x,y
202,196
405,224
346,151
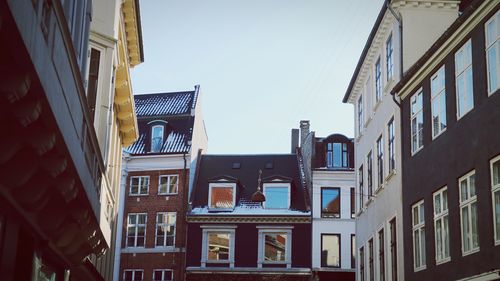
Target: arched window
x,y
156,138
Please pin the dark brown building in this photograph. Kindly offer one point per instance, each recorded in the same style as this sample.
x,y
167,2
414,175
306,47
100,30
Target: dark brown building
x,y
154,195
233,236
451,152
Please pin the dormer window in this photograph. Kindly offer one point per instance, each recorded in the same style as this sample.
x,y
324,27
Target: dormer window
x,y
222,196
157,138
277,195
337,155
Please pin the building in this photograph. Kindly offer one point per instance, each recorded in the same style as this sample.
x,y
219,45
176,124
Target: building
x,y
403,31
233,235
151,240
115,46
451,152
329,164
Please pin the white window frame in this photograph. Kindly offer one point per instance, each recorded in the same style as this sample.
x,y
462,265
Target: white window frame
x,y
415,115
162,137
221,184
361,118
493,44
267,185
169,177
440,214
368,101
133,273
495,189
467,203
389,57
139,186
220,229
163,274
380,161
378,81
165,225
436,95
419,227
263,230
391,146
463,71
136,225
381,275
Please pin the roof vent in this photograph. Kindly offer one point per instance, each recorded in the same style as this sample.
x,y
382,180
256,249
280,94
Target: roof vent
x,y
269,165
236,165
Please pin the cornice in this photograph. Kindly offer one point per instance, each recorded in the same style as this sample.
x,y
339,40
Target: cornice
x,y
247,219
132,26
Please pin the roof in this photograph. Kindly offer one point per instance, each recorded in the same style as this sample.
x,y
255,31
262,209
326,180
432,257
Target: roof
x,y
373,32
273,166
176,142
165,104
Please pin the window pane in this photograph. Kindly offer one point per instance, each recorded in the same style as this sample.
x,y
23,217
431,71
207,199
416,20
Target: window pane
x,y
218,246
492,68
496,172
173,184
163,185
472,185
337,155
222,197
330,202
439,242
497,214
465,229
446,240
474,233
275,247
330,250
276,197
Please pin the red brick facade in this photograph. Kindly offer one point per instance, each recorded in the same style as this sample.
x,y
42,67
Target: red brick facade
x,y
151,204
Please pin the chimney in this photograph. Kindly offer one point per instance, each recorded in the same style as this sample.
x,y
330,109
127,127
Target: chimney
x,y
295,140
304,131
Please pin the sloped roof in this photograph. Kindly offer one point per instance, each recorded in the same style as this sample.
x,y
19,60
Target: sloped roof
x,y
176,142
162,104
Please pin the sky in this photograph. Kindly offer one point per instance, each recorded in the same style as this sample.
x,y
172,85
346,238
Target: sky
x,y
262,65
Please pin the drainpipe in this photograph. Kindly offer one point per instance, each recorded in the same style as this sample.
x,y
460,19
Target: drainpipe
x,y
184,212
399,19
119,223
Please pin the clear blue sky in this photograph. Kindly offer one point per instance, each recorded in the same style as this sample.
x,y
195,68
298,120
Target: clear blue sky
x,y
262,65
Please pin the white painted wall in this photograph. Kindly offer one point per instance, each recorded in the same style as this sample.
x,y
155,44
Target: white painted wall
x,y
345,226
156,162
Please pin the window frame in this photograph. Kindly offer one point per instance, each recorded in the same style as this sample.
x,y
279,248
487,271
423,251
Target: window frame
x,y
222,229
353,202
139,186
153,149
163,271
165,225
340,202
380,162
440,215
389,58
322,262
361,121
168,184
495,189
133,273
361,187
467,203
381,254
353,250
393,245
419,113
330,155
435,97
419,227
362,263
489,45
458,73
221,184
136,226
391,145
378,81
278,230
267,185
369,174
371,262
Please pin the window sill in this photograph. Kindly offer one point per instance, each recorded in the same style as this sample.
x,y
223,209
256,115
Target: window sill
x,y
138,195
377,104
367,122
443,261
419,269
389,84
473,251
416,151
332,218
390,175
167,194
440,133
378,189
215,210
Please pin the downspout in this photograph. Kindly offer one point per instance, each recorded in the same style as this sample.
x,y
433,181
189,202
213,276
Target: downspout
x,y
186,195
400,25
119,223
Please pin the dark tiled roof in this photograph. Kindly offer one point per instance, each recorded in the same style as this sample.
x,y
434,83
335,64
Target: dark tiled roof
x,y
176,142
178,103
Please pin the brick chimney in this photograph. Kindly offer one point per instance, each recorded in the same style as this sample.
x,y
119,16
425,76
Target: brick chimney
x,y
304,131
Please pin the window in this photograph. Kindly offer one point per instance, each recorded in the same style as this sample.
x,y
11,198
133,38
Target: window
x,y
368,98
165,229
463,79
163,275
133,275
157,138
378,82
330,202
394,250
418,236
336,155
218,245
417,122
389,57
438,102
390,145
136,230
361,264
468,213
370,177
371,270
222,195
277,195
360,115
168,184
93,79
493,52
353,202
441,229
353,251
495,189
330,250
381,255
380,161
139,185
274,246
361,189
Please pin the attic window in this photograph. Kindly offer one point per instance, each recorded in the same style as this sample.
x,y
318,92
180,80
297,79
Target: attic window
x,y
269,165
336,155
157,138
222,196
277,195
236,165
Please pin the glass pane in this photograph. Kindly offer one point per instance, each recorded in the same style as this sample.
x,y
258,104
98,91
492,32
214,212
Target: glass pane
x,y
337,155
163,185
416,248
445,200
140,242
495,172
439,241
421,213
497,214
474,233
330,250
157,275
465,229
422,244
276,197
128,275
275,247
446,239
218,246
463,190
470,96
222,197
138,275
492,68
132,219
142,219
437,203
330,202
173,185
472,185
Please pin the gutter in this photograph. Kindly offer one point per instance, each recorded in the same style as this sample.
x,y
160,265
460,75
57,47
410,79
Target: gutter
x,y
184,213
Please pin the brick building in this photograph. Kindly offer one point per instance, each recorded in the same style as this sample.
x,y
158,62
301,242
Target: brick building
x,y
155,185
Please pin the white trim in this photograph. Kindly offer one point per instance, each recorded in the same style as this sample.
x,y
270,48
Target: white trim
x,y
165,233
221,184
264,230
168,176
467,204
145,224
204,250
440,215
133,273
418,112
418,226
162,136
138,186
280,184
496,45
463,71
435,97
494,189
163,271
